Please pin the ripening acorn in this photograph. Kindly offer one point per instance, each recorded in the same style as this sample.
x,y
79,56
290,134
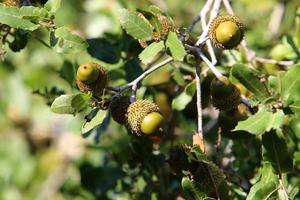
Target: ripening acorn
x,y
228,120
224,95
118,108
91,77
226,32
143,117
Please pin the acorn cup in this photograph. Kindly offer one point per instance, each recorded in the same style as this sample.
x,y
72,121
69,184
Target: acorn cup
x,y
91,77
224,95
118,108
226,32
143,117
10,3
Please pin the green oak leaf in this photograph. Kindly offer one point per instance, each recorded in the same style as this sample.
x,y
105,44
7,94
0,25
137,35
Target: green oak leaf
x,y
266,186
275,151
261,122
149,53
67,42
175,46
70,104
250,80
290,85
185,97
135,25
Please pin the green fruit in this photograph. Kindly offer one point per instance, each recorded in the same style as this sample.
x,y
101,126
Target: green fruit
x,y
137,112
91,77
151,123
118,108
224,95
226,32
88,73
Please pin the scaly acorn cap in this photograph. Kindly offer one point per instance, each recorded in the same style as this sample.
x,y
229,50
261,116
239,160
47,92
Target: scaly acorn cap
x,y
91,77
10,3
118,108
226,32
136,113
224,95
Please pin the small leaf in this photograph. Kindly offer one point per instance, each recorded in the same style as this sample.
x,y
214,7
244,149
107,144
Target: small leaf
x,y
261,122
52,5
133,69
68,42
70,104
149,53
103,50
95,121
20,17
175,46
178,77
180,102
67,72
248,78
290,85
266,186
135,25
275,151
295,107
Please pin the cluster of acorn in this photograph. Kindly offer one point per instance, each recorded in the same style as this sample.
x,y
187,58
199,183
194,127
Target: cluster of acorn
x,y
141,116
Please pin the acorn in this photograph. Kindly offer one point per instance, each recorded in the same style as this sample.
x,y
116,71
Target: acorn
x,y
224,95
118,108
143,117
91,77
229,119
226,32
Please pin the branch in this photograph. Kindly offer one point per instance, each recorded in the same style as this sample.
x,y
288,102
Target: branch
x,y
214,13
134,84
209,64
203,14
274,62
276,18
199,105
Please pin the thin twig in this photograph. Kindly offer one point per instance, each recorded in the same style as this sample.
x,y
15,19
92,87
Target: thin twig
x,y
133,84
274,62
276,18
203,14
214,13
199,106
209,64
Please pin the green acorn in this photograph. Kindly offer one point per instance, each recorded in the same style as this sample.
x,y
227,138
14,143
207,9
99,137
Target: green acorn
x,y
91,77
226,32
118,108
143,116
224,95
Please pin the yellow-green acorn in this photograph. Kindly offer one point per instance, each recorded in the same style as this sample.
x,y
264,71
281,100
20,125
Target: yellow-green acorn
x,y
143,117
224,95
91,77
226,32
118,108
